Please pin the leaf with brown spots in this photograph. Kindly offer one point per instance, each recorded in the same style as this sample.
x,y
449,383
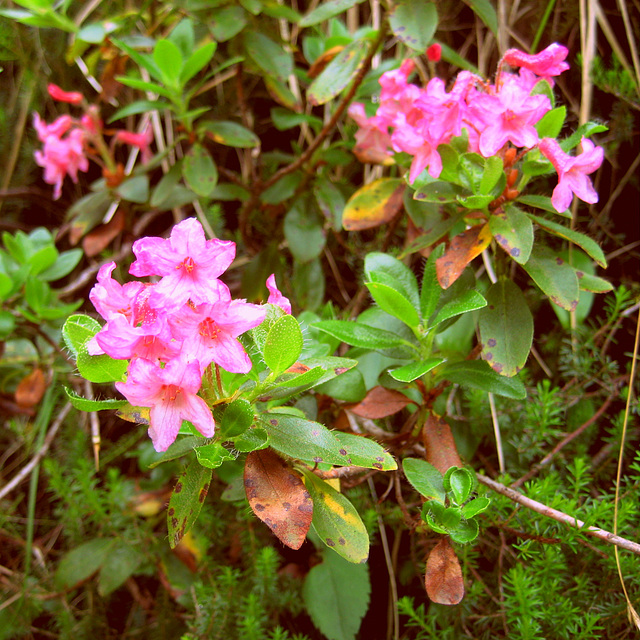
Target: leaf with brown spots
x,y
380,403
323,60
278,497
513,231
186,500
374,204
462,250
30,389
99,239
443,576
439,444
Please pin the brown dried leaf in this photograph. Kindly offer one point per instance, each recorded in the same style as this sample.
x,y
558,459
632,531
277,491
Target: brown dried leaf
x,y
30,389
439,444
380,403
278,497
462,250
99,239
443,577
117,66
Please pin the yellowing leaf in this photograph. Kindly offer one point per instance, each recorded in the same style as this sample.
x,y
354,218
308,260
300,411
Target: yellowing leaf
x,y
373,205
462,250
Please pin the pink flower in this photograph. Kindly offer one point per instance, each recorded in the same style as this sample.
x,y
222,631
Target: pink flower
x,y
275,297
507,116
72,97
549,62
109,297
61,157
140,140
57,128
572,172
209,333
190,266
373,143
171,394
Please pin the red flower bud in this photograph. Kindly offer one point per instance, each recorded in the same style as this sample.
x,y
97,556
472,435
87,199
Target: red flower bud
x,y
72,97
434,52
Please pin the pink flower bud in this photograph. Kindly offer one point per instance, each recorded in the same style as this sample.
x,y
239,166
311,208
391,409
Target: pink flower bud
x,y
434,52
72,97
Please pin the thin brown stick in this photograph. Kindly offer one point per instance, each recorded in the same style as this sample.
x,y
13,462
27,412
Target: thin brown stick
x,y
549,512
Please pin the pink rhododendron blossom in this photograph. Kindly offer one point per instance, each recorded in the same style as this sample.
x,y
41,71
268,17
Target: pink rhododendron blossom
x,y
210,331
373,143
190,265
72,97
57,128
572,172
171,395
549,62
140,140
61,157
275,297
109,297
508,116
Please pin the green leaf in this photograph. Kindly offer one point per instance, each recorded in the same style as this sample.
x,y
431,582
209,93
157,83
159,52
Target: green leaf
x,y
282,190
405,279
227,22
550,125
166,185
431,290
460,482
584,130
85,559
554,276
584,242
364,452
440,518
143,60
134,189
212,455
168,59
361,335
283,344
424,478
303,229
506,328
63,266
411,372
303,439
468,301
485,11
513,231
437,191
394,303
544,203
179,448
337,612
199,59
42,259
251,440
350,387
119,564
326,10
199,171
493,171
414,22
84,404
231,134
336,520
237,418
466,531
186,500
77,331
284,119
477,374
338,73
474,507
268,55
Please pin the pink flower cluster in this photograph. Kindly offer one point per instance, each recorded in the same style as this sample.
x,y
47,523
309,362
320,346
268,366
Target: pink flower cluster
x,y
67,142
171,331
417,120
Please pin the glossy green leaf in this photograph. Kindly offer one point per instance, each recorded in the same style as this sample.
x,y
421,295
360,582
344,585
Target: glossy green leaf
x,y
506,328
550,125
336,520
394,303
403,278
554,276
439,517
303,439
415,370
326,10
475,506
283,344
177,449
431,290
424,478
360,335
542,202
268,55
84,404
460,482
465,532
168,59
237,418
349,387
337,612
212,455
468,301
199,59
513,231
414,22
338,73
477,374
251,440
588,245
65,263
493,171
199,171
186,500
486,12
438,191
231,134
364,452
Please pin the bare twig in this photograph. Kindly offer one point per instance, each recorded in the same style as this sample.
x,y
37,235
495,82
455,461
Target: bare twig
x,y
565,518
28,468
